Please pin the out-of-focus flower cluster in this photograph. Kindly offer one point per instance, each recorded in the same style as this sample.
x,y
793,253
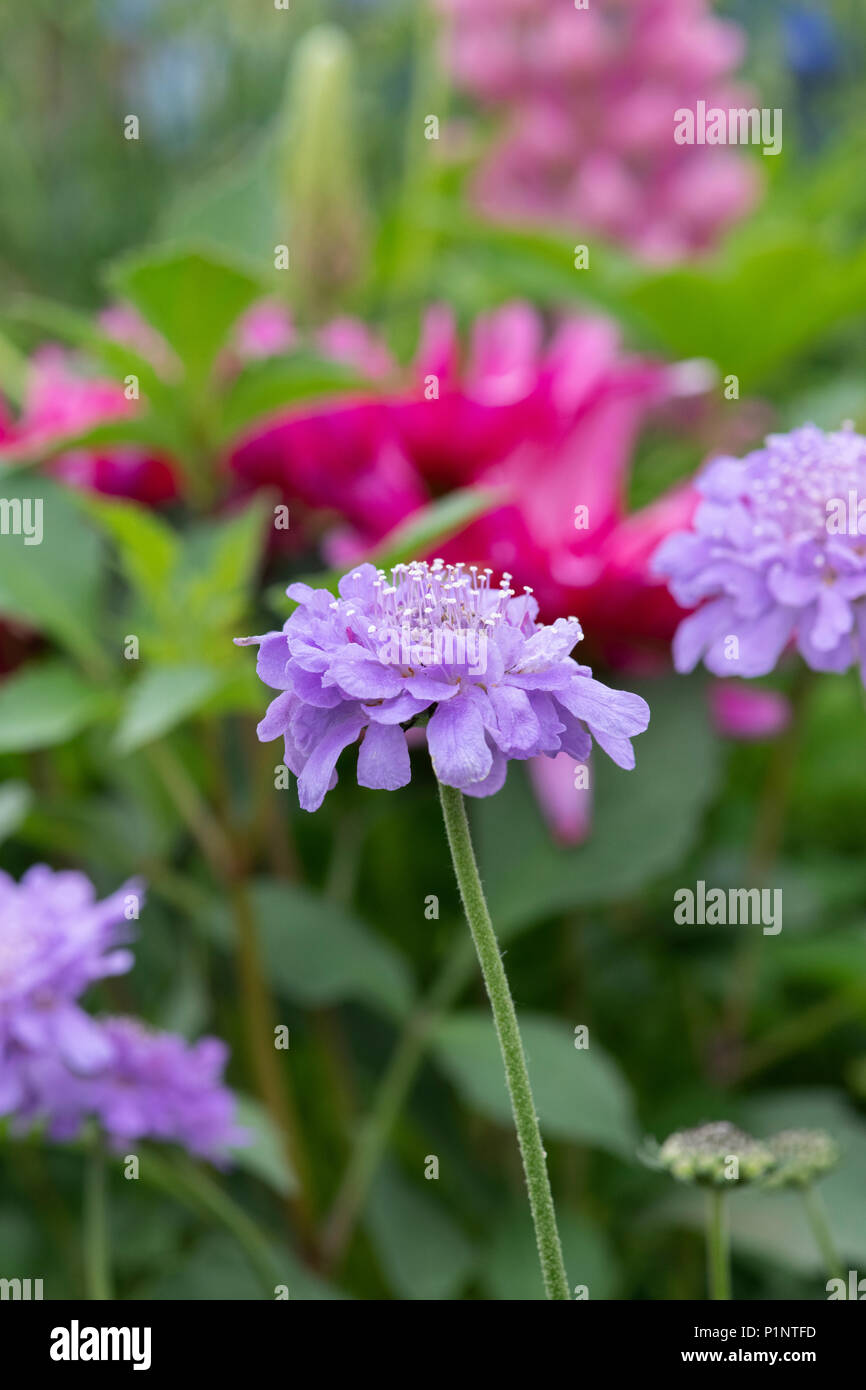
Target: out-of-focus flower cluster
x,y
585,99
714,1155
775,556
62,1067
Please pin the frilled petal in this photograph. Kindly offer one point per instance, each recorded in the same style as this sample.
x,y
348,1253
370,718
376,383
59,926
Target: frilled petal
x,y
618,749
751,647
517,728
383,760
696,633
395,711
458,749
277,717
616,712
343,728
495,779
362,676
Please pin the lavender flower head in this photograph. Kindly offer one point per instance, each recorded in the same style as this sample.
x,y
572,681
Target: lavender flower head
x,y
775,557
55,941
61,1066
155,1086
437,639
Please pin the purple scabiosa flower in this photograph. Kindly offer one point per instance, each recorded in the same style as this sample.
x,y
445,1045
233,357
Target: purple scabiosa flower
x,y
774,556
56,939
432,639
153,1085
59,1065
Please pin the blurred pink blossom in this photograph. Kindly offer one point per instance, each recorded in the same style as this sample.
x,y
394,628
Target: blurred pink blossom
x,y
586,101
743,711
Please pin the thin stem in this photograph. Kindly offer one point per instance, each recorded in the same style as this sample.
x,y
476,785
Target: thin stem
x,y
97,1263
510,1044
817,1215
390,1097
217,846
718,1255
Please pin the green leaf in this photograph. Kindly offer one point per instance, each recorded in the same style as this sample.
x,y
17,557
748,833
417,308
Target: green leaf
x,y
44,705
218,564
191,297
265,1154
265,388
16,798
643,821
148,549
423,1252
580,1093
78,329
319,953
511,1272
53,586
162,698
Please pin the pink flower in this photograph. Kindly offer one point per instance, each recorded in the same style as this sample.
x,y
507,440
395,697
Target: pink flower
x,y
566,807
61,401
586,101
743,711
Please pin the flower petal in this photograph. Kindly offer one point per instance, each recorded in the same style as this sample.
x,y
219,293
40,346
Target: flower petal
x,y
383,761
458,749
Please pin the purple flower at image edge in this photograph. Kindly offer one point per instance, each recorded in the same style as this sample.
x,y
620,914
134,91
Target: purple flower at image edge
x,y
62,1067
437,640
775,557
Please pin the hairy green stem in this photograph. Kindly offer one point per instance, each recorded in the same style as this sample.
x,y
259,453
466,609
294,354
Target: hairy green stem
x,y
718,1255
510,1044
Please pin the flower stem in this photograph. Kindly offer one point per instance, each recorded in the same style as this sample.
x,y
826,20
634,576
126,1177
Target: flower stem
x,y
97,1263
718,1255
510,1044
821,1231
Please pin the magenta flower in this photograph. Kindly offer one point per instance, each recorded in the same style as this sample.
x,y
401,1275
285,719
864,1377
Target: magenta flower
x,y
775,557
434,639
586,101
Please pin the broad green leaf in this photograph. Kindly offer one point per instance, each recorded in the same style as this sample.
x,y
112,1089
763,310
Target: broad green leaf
x,y
643,821
510,1271
147,547
162,698
46,704
580,1093
424,1253
16,798
264,1155
53,586
217,567
191,297
319,953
